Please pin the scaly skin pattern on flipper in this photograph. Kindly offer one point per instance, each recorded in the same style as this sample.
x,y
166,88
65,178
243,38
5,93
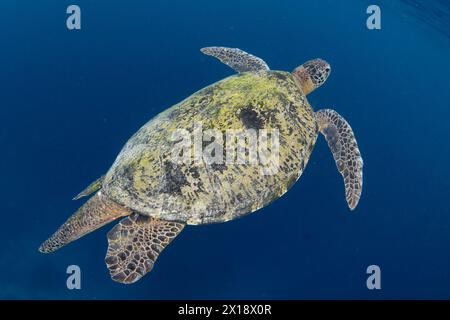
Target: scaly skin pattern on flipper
x,y
144,178
95,213
237,59
343,146
135,243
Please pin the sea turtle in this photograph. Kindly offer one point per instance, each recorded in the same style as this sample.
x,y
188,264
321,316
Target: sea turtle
x,y
159,194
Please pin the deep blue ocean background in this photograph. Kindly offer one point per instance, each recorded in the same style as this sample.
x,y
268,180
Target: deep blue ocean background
x,y
69,100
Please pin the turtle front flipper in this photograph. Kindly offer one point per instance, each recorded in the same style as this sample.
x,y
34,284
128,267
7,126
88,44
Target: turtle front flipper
x,y
134,245
342,143
95,213
94,186
238,60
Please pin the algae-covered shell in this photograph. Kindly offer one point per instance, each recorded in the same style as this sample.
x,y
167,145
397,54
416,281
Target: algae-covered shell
x,y
268,104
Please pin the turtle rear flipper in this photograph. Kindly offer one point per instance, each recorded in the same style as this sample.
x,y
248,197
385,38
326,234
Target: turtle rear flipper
x,y
134,245
342,143
95,213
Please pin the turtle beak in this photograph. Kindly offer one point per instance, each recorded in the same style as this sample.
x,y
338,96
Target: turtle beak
x,y
324,67
328,69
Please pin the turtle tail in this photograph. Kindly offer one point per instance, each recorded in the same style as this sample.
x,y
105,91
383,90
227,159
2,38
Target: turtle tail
x,y
95,213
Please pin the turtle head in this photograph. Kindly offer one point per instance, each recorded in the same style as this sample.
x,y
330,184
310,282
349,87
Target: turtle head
x,y
312,74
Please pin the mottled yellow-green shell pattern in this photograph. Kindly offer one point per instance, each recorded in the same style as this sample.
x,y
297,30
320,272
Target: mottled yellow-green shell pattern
x,y
145,179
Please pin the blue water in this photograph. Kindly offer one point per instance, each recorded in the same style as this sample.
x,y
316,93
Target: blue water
x,y
69,100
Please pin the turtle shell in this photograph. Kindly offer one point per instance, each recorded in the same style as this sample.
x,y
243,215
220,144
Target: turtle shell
x,y
181,166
